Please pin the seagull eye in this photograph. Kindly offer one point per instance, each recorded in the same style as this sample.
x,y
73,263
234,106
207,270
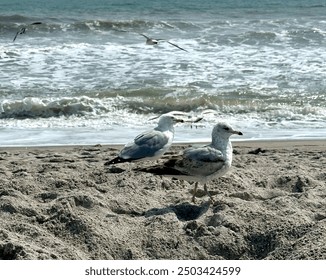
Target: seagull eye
x,y
226,128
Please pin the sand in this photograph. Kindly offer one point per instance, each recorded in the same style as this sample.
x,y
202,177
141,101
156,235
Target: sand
x,y
63,203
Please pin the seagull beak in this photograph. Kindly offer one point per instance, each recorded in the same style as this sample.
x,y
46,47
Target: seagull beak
x,y
237,132
178,120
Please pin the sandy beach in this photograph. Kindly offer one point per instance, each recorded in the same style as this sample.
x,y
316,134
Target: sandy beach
x,y
63,203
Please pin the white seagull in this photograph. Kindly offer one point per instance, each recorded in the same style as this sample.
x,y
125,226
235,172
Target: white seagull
x,y
201,164
149,145
152,41
23,30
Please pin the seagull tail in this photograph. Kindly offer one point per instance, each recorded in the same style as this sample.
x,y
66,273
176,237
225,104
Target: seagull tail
x,y
116,160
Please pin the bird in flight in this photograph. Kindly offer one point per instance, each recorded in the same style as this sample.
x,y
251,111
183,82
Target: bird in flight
x,y
152,42
23,29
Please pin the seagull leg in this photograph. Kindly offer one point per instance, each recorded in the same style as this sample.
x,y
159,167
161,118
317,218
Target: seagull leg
x,y
194,193
207,192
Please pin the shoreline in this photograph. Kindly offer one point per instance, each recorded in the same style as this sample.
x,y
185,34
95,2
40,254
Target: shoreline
x,y
237,143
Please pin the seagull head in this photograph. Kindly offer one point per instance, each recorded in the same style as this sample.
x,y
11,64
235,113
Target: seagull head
x,y
224,130
166,121
169,119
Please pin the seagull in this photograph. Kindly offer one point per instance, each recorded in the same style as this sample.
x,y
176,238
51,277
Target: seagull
x,y
23,29
152,41
186,116
149,145
201,164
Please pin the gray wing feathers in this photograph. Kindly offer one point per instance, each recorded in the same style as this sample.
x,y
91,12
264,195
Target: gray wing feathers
x,y
147,144
193,160
204,154
153,138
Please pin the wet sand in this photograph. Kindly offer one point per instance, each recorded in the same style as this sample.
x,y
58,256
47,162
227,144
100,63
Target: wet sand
x,y
63,203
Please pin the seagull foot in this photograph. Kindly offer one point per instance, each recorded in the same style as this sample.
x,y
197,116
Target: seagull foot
x,y
211,199
194,191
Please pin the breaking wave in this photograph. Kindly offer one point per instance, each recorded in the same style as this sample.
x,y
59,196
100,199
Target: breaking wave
x,y
32,107
149,105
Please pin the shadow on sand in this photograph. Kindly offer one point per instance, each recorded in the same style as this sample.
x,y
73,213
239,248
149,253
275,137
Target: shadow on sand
x,y
184,211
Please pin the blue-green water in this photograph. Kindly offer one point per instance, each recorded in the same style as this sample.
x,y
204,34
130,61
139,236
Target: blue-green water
x,y
86,76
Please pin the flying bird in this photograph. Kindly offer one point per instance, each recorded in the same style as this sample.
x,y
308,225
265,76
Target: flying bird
x,y
23,29
152,41
149,145
201,164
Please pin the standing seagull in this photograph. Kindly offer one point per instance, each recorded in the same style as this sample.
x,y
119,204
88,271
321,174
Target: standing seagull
x,y
201,164
149,145
151,41
23,30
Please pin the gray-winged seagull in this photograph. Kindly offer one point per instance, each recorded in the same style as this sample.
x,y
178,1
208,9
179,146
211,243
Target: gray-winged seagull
x,y
23,30
152,41
149,145
201,164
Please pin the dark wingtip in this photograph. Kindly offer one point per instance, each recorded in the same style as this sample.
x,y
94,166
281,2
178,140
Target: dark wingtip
x,y
15,36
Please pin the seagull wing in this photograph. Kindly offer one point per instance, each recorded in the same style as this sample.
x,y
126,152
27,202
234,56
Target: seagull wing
x,y
23,30
16,36
193,162
203,154
153,138
147,144
145,36
176,46
201,161
195,119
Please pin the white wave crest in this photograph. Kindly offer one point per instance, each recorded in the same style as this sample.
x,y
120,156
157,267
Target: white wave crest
x,y
33,107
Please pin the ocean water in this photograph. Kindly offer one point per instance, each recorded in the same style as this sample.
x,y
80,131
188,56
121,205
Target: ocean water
x,y
86,76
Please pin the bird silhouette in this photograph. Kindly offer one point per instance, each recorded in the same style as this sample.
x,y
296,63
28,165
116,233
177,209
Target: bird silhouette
x,y
22,30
